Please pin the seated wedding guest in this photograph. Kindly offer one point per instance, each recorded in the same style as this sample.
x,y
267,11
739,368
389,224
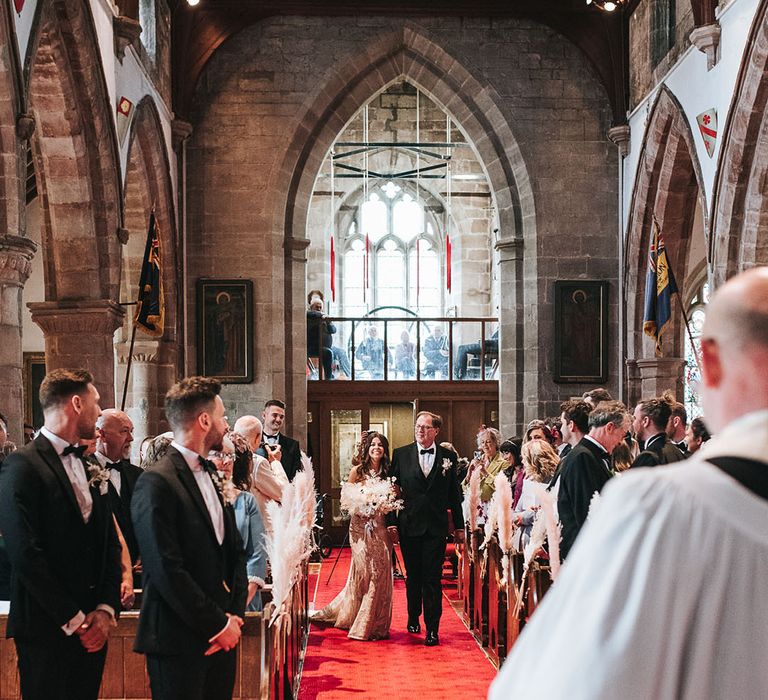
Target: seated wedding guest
x,y
510,453
268,479
539,461
464,351
235,461
664,594
490,462
155,450
696,435
650,424
435,350
587,468
371,353
318,328
595,396
405,356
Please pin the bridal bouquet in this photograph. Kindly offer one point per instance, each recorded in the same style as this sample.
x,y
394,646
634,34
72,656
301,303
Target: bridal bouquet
x,y
371,497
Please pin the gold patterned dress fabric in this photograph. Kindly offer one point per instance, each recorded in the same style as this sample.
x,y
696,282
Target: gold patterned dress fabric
x,y
364,605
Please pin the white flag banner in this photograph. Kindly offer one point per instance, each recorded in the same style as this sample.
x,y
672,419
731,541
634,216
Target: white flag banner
x,y
707,122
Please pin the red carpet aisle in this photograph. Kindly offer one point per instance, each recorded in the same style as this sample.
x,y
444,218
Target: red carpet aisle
x,y
399,667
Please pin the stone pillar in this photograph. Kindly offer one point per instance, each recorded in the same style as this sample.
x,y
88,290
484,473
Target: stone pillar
x,y
511,352
295,337
658,374
142,400
16,255
79,333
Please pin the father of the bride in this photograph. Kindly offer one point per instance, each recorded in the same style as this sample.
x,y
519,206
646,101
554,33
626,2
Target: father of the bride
x,y
426,474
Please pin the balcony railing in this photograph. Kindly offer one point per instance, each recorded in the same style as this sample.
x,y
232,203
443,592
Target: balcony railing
x,y
403,348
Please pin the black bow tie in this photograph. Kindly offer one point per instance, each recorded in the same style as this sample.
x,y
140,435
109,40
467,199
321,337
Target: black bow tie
x,y
430,451
77,450
271,438
207,465
117,466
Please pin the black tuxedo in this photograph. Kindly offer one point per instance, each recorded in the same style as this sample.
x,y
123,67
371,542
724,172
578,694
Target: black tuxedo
x,y
423,526
60,565
291,459
121,504
658,449
585,470
190,582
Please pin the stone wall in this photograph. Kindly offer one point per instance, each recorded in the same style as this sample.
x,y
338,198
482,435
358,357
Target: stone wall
x,y
526,99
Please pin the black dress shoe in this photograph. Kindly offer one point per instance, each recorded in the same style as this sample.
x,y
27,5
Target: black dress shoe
x,y
414,627
432,639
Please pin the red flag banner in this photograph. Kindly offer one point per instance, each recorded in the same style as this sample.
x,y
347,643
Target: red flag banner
x,y
448,255
333,272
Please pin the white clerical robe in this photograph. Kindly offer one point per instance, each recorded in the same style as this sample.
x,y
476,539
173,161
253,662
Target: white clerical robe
x,y
665,593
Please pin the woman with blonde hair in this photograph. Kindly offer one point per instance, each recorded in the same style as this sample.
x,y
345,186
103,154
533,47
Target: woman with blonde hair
x,y
539,462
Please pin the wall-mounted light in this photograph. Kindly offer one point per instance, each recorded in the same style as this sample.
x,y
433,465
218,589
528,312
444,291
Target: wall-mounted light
x,y
192,3
606,5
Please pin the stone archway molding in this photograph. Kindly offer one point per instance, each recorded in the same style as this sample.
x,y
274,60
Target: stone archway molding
x,y
738,238
409,53
668,185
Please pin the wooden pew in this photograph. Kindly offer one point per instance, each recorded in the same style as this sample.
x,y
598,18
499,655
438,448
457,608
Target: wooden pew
x,y
497,606
269,661
467,574
514,622
480,590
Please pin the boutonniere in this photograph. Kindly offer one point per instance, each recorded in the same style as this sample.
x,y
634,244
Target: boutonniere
x,y
98,476
446,465
229,492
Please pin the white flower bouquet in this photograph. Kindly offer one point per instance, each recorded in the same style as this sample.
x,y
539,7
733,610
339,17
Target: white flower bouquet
x,y
369,498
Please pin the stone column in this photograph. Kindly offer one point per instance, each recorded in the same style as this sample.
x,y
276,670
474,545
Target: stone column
x,y
296,337
16,255
658,374
511,355
80,333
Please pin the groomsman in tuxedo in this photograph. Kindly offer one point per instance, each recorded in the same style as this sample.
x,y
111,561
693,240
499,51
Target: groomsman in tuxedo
x,y
192,557
289,455
114,435
426,474
63,548
650,424
587,468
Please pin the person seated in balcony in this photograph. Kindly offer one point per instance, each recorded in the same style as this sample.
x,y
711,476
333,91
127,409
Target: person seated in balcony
x,y
462,356
371,353
405,356
320,337
436,352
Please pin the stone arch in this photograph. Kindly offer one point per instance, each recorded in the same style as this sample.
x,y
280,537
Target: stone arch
x,y
16,250
78,180
668,186
147,185
739,235
409,53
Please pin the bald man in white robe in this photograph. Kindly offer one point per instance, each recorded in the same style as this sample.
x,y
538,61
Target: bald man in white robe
x,y
665,594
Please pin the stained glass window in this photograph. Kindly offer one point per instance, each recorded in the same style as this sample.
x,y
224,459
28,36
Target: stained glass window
x,y
696,315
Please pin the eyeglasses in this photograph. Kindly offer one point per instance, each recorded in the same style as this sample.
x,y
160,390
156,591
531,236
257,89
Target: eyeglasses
x,y
223,456
424,428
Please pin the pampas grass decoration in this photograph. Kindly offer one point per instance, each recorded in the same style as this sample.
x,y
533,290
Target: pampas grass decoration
x,y
505,522
554,534
538,537
593,504
473,498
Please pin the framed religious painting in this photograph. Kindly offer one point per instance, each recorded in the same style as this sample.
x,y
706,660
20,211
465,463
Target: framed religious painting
x,y
581,332
32,377
225,329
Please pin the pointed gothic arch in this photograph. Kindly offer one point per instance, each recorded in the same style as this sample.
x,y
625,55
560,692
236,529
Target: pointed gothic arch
x,y
669,186
739,230
410,53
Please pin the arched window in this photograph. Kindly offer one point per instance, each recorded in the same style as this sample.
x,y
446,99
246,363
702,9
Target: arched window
x,y
696,315
405,261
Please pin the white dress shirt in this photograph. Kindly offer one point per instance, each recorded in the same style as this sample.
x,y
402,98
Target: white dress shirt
x,y
426,460
114,475
207,489
76,472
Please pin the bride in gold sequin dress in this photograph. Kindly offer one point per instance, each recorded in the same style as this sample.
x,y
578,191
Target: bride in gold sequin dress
x,y
364,605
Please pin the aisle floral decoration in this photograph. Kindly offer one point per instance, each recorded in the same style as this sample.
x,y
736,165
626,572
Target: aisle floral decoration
x,y
368,498
553,529
503,515
473,505
538,538
289,544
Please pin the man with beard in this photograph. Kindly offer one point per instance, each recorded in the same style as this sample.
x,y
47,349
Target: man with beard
x,y
62,546
193,562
